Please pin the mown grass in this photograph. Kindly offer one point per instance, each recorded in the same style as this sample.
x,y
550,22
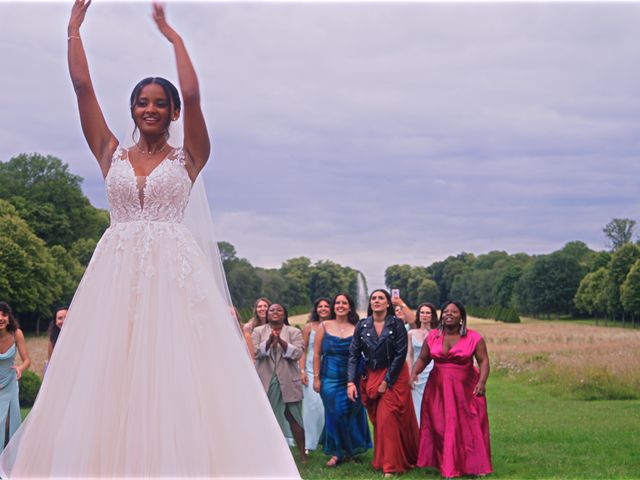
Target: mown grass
x,y
536,434
541,425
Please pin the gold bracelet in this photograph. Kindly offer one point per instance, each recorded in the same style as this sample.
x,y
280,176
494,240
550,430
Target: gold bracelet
x,y
73,36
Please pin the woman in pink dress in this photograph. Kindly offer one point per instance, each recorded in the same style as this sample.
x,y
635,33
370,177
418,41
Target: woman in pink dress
x,y
454,427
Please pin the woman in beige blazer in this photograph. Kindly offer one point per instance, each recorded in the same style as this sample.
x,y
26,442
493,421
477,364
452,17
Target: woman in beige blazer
x,y
277,348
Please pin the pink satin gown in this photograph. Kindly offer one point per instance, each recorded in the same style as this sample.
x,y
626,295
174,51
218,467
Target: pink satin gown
x,y
454,426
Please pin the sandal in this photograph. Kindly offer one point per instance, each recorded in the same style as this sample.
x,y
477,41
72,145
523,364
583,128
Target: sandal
x,y
333,461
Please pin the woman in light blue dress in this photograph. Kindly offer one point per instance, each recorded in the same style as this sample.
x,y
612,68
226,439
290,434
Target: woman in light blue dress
x,y
11,339
426,319
312,408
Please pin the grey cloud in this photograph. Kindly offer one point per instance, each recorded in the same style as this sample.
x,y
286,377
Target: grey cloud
x,y
370,134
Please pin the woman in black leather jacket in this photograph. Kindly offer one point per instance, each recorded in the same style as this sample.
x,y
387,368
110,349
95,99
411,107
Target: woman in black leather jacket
x,y
381,340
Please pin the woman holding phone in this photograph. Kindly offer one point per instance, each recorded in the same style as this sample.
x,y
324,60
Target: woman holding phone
x,y
381,340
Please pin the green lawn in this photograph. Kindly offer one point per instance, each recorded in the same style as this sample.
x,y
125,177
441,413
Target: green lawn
x,y
537,435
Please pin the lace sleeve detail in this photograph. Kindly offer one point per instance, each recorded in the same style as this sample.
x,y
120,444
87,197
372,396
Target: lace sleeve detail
x,y
178,156
119,154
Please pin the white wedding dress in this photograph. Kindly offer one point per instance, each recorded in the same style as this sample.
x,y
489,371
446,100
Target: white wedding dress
x,y
148,378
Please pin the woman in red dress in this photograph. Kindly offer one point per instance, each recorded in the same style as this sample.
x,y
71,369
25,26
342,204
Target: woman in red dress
x,y
454,426
382,340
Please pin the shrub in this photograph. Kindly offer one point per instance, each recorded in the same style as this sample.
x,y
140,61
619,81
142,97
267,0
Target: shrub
x,y
29,387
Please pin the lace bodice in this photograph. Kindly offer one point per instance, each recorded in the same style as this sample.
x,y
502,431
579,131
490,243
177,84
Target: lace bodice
x,y
162,196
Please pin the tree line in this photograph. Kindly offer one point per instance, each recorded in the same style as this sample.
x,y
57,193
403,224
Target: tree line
x,y
296,283
573,280
49,230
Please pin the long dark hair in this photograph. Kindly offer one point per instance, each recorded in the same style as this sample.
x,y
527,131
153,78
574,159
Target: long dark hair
x,y
434,315
463,317
390,309
352,317
314,317
54,330
169,90
286,314
13,324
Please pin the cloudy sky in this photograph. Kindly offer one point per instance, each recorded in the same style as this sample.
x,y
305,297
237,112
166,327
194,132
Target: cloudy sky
x,y
369,134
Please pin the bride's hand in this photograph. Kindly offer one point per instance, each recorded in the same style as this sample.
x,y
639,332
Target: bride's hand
x,y
161,21
78,12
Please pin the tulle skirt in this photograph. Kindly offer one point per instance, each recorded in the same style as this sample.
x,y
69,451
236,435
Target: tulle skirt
x,y
149,377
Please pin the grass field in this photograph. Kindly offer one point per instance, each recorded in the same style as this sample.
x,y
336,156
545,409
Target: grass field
x,y
537,435
564,403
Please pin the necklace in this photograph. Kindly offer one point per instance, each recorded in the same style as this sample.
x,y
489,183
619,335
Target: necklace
x,y
149,152
340,328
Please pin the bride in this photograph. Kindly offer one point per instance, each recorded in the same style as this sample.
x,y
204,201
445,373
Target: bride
x,y
150,377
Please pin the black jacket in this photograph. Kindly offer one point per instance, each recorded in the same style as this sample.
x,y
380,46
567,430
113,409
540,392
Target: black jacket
x,y
387,350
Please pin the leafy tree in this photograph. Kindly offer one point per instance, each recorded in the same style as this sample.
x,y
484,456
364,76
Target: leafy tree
x,y
461,289
619,231
50,199
227,252
397,276
274,286
82,250
68,273
417,276
599,260
444,272
327,278
244,285
621,262
506,280
297,273
630,291
28,271
489,260
591,296
578,250
549,284
427,291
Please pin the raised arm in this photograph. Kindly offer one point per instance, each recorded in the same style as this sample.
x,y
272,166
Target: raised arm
x,y
100,139
196,138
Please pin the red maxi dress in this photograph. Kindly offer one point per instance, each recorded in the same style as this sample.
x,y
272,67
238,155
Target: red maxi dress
x,y
454,426
395,428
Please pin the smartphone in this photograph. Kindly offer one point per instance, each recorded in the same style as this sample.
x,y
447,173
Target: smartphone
x,y
395,292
